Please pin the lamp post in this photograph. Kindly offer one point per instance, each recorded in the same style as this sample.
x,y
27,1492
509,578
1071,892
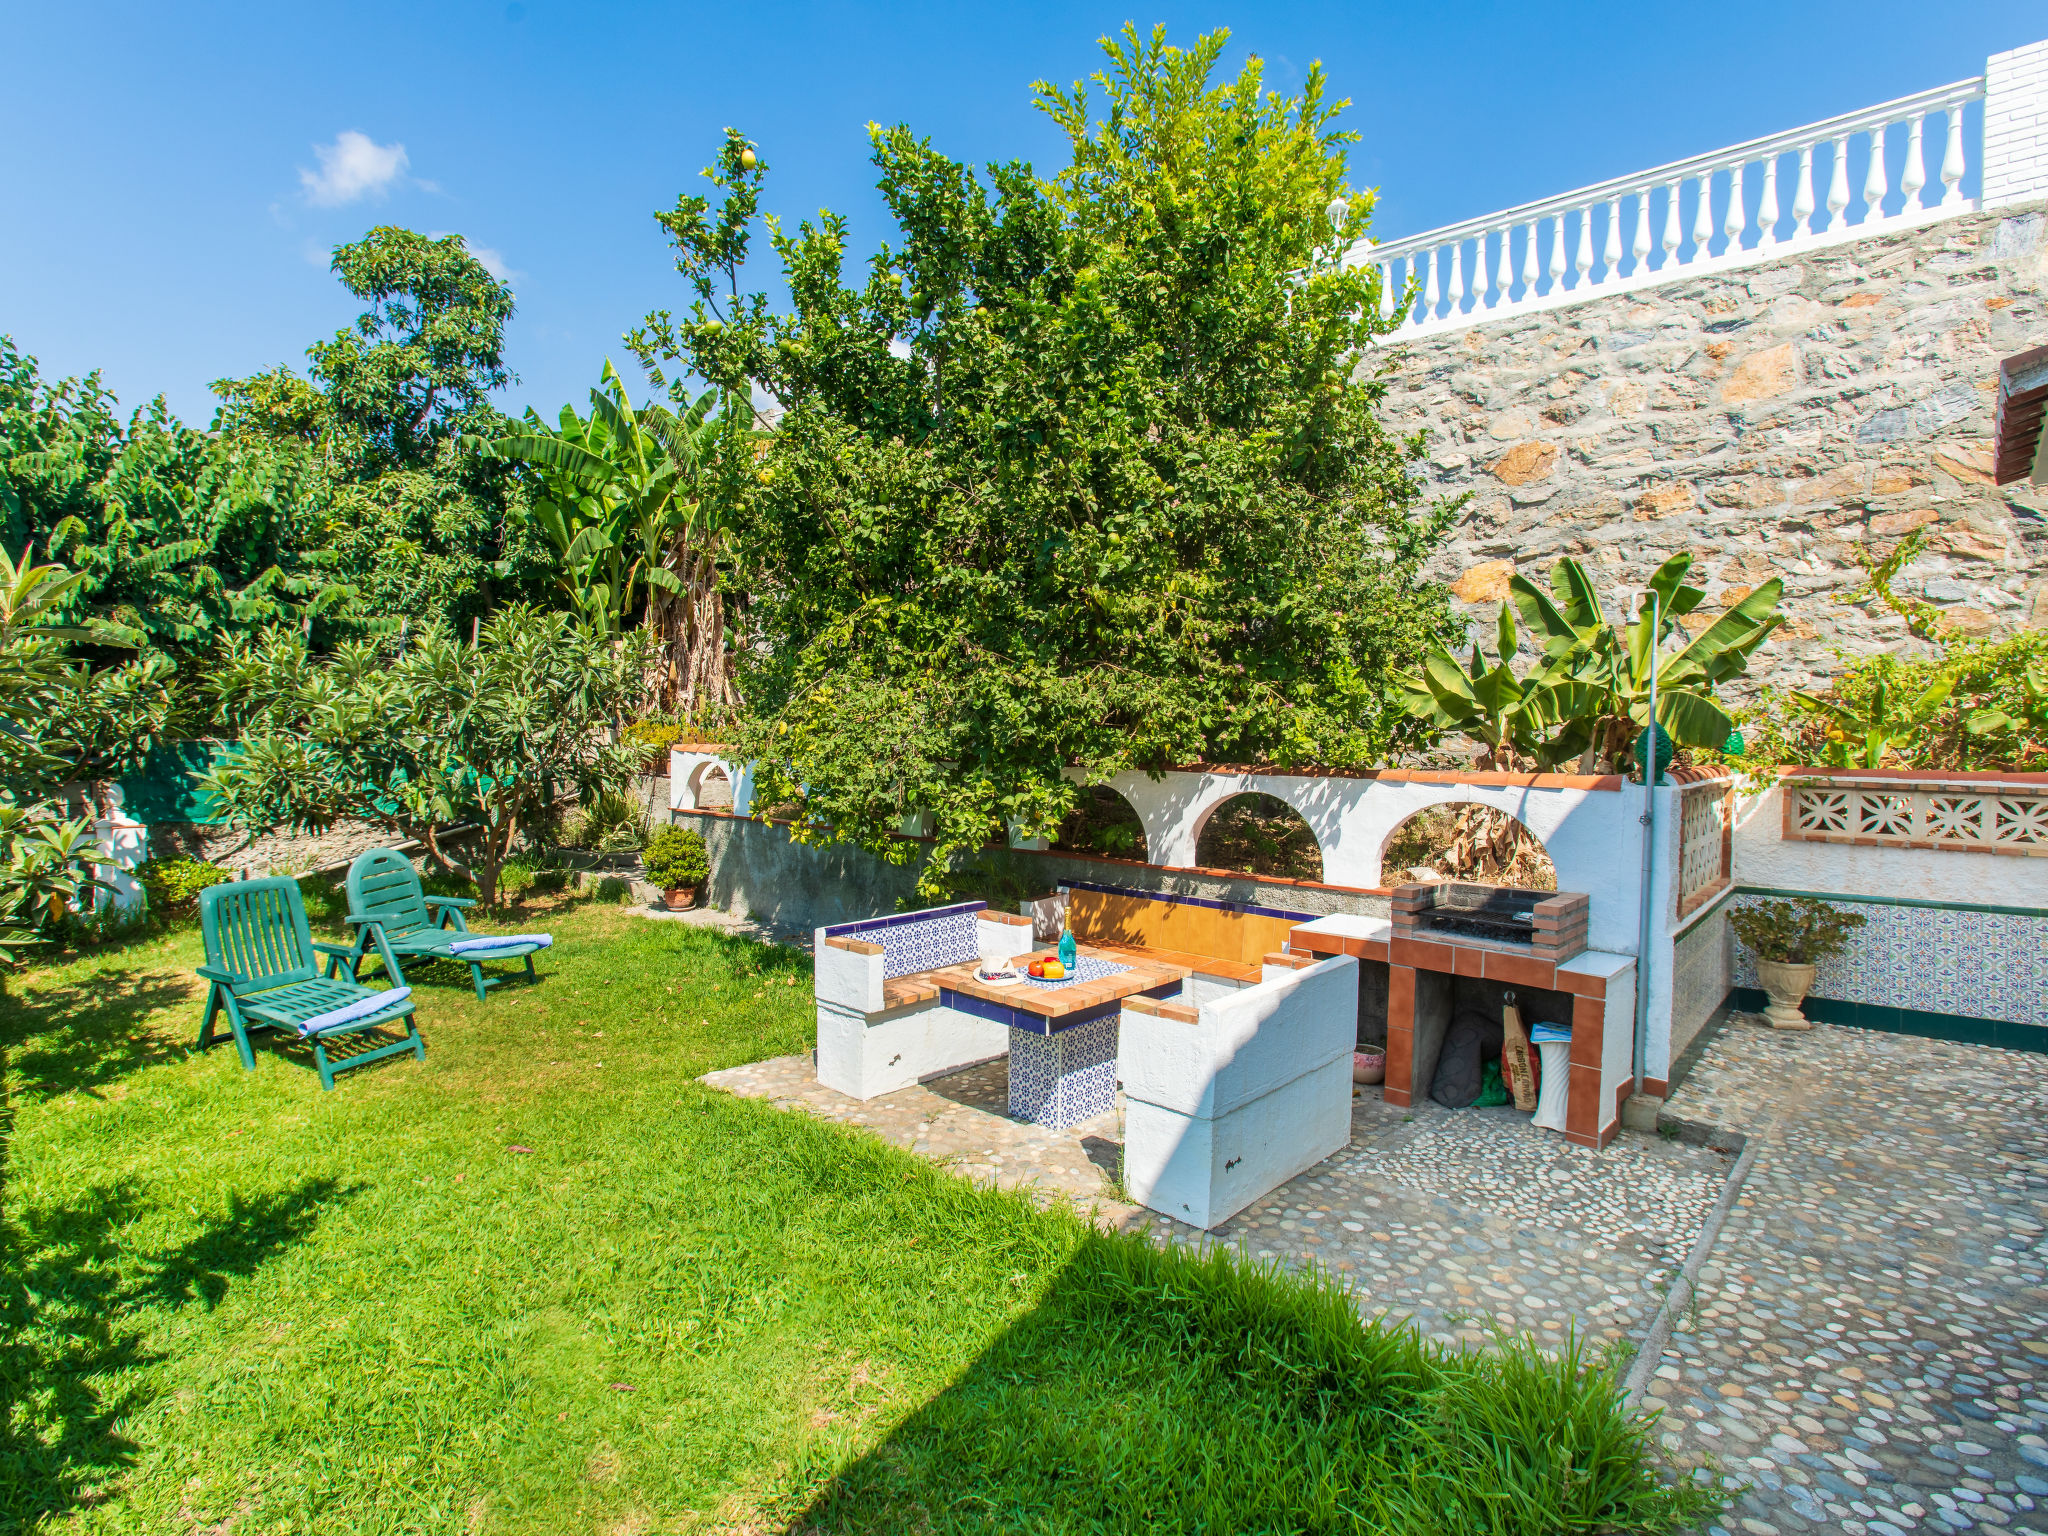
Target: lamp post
x,y
1649,768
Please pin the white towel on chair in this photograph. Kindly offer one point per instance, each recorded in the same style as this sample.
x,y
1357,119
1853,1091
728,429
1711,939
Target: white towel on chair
x,y
500,941
362,1007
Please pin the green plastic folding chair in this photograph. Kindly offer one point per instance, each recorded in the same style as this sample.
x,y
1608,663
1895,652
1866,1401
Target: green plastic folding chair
x,y
388,905
263,971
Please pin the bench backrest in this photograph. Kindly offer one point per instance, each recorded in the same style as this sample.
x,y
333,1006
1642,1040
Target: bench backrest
x,y
1227,931
383,884
256,930
920,941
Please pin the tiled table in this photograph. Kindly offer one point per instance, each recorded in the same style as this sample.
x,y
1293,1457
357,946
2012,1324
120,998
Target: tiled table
x,y
1063,1034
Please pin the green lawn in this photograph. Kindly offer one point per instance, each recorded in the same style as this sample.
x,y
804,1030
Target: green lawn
x,y
543,1281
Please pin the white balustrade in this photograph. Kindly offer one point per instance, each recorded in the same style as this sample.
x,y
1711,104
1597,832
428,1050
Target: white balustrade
x,y
1888,137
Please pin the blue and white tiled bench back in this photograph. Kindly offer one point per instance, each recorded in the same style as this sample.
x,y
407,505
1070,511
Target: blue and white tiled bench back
x,y
881,1026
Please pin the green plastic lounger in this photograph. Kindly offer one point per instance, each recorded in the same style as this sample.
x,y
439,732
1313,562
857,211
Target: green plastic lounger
x,y
396,917
263,970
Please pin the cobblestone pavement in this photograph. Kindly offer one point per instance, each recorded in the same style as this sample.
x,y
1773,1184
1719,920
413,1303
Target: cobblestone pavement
x,y
1868,1351
1466,1221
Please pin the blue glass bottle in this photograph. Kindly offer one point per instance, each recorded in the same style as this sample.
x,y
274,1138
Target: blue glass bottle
x,y
1069,950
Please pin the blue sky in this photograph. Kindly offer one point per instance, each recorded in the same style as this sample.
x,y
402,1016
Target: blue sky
x,y
166,212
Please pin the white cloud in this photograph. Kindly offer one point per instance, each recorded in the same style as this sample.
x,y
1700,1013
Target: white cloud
x,y
352,166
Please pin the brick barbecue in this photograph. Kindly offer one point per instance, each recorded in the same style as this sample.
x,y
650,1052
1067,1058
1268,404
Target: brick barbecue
x,y
1546,925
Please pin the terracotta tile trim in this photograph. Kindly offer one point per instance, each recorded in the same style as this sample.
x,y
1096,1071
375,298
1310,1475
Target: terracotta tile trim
x,y
1183,1013
1910,775
1292,962
1014,919
855,946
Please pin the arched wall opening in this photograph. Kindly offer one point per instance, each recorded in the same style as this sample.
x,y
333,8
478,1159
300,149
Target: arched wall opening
x,y
1464,840
711,788
1104,823
1257,834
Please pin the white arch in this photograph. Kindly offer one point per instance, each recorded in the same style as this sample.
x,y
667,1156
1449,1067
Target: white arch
x,y
1209,810
687,770
1461,799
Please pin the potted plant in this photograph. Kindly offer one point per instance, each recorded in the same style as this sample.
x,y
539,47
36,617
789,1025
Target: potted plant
x,y
1789,939
675,860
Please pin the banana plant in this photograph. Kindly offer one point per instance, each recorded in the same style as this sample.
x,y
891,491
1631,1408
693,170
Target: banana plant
x,y
1614,665
1486,703
617,495
1861,735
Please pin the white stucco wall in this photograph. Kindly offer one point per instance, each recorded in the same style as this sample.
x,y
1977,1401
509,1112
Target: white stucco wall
x,y
1764,858
1593,836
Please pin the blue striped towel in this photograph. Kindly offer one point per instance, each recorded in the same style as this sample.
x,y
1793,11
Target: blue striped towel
x,y
501,941
348,1013
1549,1034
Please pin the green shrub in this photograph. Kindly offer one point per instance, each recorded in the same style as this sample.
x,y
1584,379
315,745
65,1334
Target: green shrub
x,y
1800,931
173,885
655,737
442,882
675,856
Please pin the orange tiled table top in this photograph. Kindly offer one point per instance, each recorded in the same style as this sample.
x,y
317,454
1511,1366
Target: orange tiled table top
x,y
1054,1005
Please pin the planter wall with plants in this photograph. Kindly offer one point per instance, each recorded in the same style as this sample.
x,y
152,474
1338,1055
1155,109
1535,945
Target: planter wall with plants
x,y
1949,873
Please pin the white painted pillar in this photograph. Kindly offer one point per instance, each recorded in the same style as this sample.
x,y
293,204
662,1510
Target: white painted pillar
x,y
125,842
2015,168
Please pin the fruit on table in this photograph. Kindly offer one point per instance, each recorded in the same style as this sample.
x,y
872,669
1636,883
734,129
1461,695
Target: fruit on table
x,y
1054,971
1035,968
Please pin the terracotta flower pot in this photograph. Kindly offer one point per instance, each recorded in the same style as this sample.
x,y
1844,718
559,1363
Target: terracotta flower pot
x,y
1787,985
679,898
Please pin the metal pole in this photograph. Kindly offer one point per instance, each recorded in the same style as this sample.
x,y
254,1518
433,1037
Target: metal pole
x,y
1648,768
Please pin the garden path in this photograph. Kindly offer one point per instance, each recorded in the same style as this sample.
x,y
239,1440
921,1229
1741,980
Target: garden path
x,y
1869,1347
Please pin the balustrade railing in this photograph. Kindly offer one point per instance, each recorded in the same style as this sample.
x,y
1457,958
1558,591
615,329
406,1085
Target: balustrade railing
x,y
1744,203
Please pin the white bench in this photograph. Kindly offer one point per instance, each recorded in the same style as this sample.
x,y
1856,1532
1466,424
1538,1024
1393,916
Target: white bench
x,y
1230,1097
881,1025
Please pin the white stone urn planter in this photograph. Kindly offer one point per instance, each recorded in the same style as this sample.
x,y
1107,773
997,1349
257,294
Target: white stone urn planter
x,y
1787,985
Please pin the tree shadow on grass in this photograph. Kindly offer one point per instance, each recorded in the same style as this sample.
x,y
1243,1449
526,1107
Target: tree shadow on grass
x,y
75,1312
80,1039
1160,1391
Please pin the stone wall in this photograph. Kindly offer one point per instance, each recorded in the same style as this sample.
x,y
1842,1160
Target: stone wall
x,y
1772,419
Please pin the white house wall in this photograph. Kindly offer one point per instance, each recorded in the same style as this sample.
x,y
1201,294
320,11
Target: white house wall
x,y
1763,857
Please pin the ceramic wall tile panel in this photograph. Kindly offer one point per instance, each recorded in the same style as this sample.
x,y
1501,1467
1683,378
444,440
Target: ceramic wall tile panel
x,y
1061,1079
1972,964
927,944
1086,968
1702,973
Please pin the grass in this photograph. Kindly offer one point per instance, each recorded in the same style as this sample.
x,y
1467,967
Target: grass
x,y
546,1282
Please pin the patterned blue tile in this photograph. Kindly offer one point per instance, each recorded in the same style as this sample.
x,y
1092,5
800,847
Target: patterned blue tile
x,y
1979,965
1086,968
1059,1080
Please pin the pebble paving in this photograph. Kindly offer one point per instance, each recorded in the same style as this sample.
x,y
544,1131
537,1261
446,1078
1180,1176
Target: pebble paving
x,y
1868,1351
